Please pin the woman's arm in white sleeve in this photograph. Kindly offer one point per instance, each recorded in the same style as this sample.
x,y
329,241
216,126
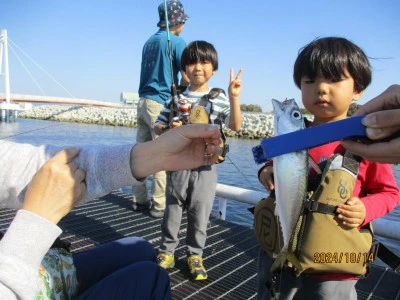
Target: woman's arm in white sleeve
x,y
107,168
22,249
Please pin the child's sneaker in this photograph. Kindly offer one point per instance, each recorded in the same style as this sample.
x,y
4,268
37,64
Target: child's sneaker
x,y
165,261
196,267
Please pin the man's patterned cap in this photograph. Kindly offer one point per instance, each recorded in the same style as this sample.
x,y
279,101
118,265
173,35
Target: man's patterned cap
x,y
176,13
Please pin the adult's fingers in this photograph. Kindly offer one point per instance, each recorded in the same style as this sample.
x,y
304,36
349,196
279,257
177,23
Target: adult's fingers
x,y
204,131
73,166
384,152
389,99
385,118
80,175
66,155
382,124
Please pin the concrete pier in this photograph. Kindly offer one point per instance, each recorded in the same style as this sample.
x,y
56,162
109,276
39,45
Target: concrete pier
x,y
9,112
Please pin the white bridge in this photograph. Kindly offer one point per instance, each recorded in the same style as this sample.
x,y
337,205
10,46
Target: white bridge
x,y
50,99
10,104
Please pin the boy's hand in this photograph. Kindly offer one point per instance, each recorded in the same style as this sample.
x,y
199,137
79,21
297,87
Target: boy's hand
x,y
174,124
352,213
266,178
235,84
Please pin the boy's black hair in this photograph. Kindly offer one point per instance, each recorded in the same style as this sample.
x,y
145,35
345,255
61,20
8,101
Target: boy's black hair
x,y
329,57
199,51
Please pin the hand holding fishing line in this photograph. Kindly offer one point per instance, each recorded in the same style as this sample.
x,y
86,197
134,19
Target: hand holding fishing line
x,y
191,146
185,147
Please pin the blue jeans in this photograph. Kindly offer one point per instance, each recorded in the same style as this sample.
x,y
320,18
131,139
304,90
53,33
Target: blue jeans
x,y
122,269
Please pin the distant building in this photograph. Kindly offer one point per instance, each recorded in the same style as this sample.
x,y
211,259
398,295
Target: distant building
x,y
128,98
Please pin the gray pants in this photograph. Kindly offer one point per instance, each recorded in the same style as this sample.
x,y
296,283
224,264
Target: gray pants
x,y
288,286
193,190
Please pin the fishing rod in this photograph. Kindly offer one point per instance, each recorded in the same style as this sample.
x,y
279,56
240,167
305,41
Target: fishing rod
x,y
174,92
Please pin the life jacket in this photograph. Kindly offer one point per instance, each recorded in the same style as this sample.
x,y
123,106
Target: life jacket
x,y
320,242
200,114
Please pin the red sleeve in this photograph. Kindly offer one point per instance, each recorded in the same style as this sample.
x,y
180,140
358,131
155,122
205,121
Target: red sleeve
x,y
377,189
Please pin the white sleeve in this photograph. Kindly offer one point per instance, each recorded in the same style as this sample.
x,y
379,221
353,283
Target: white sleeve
x,y
107,168
22,249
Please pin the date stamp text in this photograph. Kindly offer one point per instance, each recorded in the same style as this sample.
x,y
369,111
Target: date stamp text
x,y
343,257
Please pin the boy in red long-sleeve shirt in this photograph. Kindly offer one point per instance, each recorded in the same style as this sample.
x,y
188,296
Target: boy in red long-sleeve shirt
x,y
331,73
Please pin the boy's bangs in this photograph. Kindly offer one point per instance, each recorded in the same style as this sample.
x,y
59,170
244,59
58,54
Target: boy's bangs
x,y
325,64
198,54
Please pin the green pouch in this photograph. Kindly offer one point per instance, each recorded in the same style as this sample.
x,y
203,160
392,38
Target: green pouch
x,y
57,276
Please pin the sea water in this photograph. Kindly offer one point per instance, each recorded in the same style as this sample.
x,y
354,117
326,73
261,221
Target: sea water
x,y
239,168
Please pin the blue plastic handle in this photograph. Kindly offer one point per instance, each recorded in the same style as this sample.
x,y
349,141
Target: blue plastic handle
x,y
308,138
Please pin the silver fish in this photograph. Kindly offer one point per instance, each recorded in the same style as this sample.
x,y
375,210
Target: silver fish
x,y
290,176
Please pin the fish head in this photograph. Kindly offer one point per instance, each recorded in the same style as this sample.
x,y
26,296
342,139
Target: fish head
x,y
287,116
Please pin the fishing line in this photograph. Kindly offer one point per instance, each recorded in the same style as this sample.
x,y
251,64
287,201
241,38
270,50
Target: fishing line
x,y
241,173
33,130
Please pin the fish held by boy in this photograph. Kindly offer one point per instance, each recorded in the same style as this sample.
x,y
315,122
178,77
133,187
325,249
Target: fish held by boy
x,y
290,178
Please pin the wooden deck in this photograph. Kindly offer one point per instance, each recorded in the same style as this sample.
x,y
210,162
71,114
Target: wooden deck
x,y
230,256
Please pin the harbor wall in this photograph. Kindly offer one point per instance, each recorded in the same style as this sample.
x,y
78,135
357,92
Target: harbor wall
x,y
254,125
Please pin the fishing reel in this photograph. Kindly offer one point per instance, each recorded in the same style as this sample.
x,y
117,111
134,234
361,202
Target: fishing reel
x,y
183,111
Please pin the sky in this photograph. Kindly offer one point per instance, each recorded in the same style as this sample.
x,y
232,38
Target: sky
x,y
91,49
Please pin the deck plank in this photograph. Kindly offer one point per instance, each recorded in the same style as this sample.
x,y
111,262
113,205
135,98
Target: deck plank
x,y
230,255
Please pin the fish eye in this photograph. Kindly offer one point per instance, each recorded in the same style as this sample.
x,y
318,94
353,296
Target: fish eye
x,y
296,114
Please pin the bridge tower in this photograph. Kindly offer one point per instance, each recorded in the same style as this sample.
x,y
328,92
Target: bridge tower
x,y
7,109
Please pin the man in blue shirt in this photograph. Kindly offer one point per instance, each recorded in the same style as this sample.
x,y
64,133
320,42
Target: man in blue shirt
x,y
154,90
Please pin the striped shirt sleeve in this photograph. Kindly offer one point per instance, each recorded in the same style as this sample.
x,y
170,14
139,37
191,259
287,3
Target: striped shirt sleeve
x,y
164,116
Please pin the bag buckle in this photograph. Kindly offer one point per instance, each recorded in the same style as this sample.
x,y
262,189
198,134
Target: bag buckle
x,y
310,206
374,249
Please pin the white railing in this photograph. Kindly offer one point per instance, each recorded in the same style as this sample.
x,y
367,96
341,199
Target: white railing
x,y
382,226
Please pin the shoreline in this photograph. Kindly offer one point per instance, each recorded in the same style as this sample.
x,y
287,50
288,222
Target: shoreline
x,y
254,125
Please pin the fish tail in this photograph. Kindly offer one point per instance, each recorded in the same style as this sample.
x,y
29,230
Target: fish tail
x,y
280,261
